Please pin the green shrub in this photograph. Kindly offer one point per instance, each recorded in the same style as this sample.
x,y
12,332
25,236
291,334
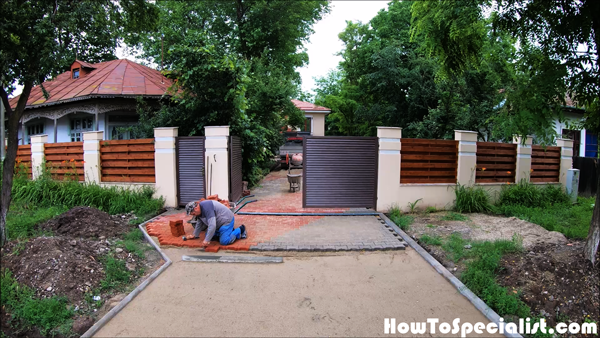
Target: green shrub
x,y
46,314
527,194
453,216
471,199
430,240
401,220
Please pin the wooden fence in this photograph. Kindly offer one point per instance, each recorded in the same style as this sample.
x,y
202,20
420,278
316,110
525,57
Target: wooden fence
x,y
65,160
127,161
23,159
428,161
496,162
545,164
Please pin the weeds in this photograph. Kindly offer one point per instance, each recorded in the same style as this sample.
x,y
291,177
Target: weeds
x,y
430,209
431,240
453,216
117,274
431,226
133,242
413,205
471,199
22,218
401,220
529,195
46,314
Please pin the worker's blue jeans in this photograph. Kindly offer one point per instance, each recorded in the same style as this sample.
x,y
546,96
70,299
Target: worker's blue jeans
x,y
227,234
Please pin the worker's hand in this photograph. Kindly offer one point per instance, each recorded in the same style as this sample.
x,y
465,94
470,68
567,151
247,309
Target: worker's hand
x,y
205,243
190,237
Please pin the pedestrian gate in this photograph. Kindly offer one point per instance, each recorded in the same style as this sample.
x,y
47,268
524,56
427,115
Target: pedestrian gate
x,y
191,184
340,172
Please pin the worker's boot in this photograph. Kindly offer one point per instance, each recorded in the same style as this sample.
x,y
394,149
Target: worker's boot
x,y
243,233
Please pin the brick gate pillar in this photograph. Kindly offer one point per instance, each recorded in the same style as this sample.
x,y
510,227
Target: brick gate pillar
x,y
217,161
523,167
37,154
388,170
165,165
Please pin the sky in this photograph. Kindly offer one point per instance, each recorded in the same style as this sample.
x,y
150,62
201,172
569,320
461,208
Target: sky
x,y
324,43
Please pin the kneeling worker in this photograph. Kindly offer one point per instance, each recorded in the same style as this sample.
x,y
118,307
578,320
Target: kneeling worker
x,y
217,220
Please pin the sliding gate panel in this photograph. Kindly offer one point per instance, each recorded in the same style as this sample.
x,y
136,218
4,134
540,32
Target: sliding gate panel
x,y
191,182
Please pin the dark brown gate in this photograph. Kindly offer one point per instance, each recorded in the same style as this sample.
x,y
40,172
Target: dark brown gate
x,y
191,185
340,172
235,168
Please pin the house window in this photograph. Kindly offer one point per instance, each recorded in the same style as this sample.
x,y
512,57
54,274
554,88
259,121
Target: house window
x,y
307,125
117,125
34,129
76,73
80,125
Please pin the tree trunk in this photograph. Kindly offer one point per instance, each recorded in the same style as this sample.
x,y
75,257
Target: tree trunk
x,y
593,238
11,154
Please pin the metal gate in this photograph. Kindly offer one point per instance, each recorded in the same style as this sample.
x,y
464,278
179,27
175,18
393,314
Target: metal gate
x,y
340,172
191,185
235,168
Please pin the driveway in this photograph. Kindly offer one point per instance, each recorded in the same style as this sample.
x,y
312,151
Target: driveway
x,y
343,294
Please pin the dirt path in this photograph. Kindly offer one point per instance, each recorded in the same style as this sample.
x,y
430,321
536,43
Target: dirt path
x,y
340,295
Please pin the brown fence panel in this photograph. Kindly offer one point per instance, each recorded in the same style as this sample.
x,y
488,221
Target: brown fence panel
x,y
127,161
65,160
428,161
23,159
496,162
545,164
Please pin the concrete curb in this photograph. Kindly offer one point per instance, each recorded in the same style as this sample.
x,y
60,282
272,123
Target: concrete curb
x,y
476,301
113,312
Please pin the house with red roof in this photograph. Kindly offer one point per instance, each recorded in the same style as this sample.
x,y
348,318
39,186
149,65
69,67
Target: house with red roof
x,y
102,97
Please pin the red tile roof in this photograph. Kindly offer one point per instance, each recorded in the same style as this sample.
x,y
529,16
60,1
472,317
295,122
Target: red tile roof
x,y
307,106
111,78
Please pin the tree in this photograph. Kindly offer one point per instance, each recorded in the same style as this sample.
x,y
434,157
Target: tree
x,y
257,45
559,47
40,38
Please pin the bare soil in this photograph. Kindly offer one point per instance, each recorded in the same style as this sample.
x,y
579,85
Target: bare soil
x,y
551,276
70,264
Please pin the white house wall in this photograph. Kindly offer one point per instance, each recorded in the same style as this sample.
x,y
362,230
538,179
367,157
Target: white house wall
x,y
63,126
571,118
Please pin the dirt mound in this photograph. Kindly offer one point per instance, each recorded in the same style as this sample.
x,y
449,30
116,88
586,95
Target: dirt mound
x,y
556,282
87,222
56,265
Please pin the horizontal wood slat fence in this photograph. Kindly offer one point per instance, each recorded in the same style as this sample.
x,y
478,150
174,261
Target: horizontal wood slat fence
x,y
23,158
496,162
428,161
545,164
127,160
65,160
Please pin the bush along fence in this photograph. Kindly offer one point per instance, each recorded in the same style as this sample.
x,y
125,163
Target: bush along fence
x,y
431,170
126,163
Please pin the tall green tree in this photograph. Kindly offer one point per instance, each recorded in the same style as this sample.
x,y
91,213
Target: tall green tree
x,y
40,38
257,44
559,47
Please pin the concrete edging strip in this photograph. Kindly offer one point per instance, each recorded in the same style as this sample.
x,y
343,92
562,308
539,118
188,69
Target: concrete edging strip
x,y
233,259
476,301
113,312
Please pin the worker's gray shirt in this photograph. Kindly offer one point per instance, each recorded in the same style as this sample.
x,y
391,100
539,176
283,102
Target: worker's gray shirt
x,y
213,216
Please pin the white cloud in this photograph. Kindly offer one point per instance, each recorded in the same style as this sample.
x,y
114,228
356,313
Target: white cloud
x,y
324,43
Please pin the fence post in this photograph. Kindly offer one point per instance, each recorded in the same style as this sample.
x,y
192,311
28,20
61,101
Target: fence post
x,y
566,159
92,169
165,166
467,156
523,165
388,168
37,154
217,165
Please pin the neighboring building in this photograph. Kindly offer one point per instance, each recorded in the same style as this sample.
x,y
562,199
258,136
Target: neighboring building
x,y
102,97
585,143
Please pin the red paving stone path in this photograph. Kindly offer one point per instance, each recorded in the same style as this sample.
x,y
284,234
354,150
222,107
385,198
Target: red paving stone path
x,y
273,196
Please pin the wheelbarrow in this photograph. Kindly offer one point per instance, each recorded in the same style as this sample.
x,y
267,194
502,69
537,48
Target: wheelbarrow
x,y
294,180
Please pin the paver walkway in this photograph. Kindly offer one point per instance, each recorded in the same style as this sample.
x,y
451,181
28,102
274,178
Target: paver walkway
x,y
290,233
346,295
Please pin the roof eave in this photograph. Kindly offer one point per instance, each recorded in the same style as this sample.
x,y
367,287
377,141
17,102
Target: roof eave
x,y
95,96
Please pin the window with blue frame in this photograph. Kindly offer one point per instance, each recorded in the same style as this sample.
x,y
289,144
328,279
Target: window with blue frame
x,y
591,144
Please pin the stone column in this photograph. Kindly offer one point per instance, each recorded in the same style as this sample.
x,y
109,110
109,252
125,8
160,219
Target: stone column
x,y
467,158
388,170
523,166
566,159
91,156
217,166
165,164
37,155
